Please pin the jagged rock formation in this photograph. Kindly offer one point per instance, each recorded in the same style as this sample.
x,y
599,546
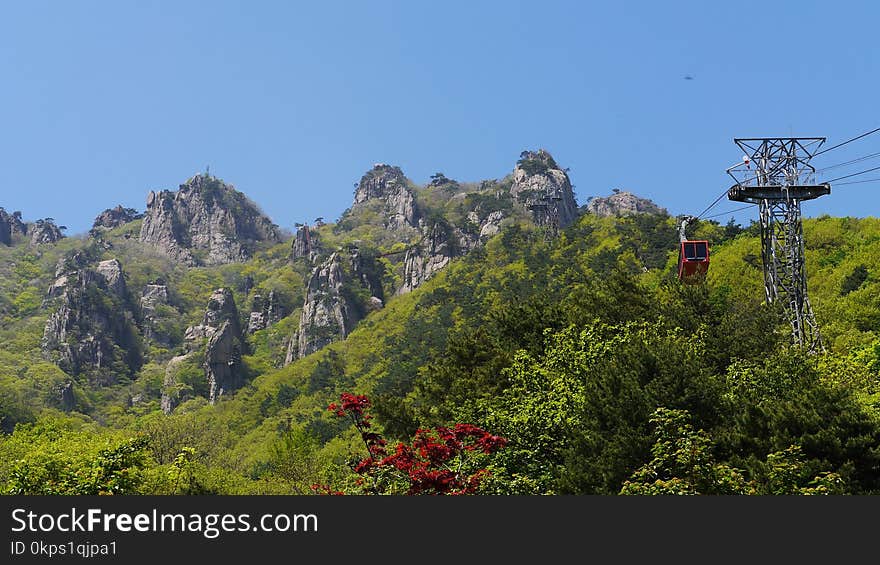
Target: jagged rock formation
x,y
537,180
206,222
223,364
45,231
264,312
39,232
224,370
388,184
440,245
11,226
622,203
153,297
93,329
331,308
113,218
305,244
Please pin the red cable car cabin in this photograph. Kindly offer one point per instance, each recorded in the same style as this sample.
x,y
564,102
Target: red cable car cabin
x,y
693,260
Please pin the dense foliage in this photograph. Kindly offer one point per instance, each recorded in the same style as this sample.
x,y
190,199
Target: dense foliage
x,y
602,373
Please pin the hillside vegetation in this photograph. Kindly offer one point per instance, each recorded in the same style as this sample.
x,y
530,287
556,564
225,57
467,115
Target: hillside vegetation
x,y
603,372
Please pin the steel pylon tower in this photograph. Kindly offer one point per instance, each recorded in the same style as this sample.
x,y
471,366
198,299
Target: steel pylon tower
x,y
547,214
776,175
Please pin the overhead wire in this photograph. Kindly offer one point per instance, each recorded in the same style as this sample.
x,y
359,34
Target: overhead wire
x,y
729,212
867,133
854,174
860,159
858,181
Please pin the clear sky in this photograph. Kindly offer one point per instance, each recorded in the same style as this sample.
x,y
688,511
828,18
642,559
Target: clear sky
x,y
291,102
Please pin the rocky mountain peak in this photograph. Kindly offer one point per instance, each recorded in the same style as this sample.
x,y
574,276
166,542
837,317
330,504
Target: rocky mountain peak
x,y
388,184
622,203
540,185
93,328
113,218
206,222
11,225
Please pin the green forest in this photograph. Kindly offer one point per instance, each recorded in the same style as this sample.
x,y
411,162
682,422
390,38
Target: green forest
x,y
537,362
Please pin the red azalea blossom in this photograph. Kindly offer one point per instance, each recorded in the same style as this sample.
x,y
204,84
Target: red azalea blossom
x,y
425,464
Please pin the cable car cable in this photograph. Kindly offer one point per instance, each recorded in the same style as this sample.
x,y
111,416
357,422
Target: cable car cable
x,y
728,212
867,133
853,175
865,158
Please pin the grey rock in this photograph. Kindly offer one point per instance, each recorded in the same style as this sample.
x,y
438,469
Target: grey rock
x,y
264,312
305,244
223,367
93,328
113,218
111,270
329,313
44,231
11,226
153,296
221,308
205,222
537,179
441,244
388,184
256,322
224,370
622,203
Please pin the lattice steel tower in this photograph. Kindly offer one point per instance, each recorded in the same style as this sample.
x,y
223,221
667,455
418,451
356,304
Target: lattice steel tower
x,y
776,175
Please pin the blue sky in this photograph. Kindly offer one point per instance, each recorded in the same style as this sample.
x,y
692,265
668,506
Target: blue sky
x,y
292,102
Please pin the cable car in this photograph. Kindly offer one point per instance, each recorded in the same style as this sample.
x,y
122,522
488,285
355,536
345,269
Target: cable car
x,y
693,260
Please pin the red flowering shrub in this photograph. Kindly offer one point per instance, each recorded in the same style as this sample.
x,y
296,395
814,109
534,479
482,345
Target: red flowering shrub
x,y
439,461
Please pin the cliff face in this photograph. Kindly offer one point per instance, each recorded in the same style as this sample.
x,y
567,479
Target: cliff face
x,y
306,244
265,311
622,203
441,244
206,222
93,330
11,226
389,185
542,187
154,298
340,292
219,341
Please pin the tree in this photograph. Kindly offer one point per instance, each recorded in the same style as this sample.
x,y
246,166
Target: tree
x,y
440,461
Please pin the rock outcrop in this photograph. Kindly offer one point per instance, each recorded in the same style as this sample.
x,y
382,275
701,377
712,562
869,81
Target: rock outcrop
x,y
153,298
113,218
622,203
45,231
441,244
206,222
389,185
11,226
542,187
264,312
305,244
223,364
332,307
224,370
93,329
